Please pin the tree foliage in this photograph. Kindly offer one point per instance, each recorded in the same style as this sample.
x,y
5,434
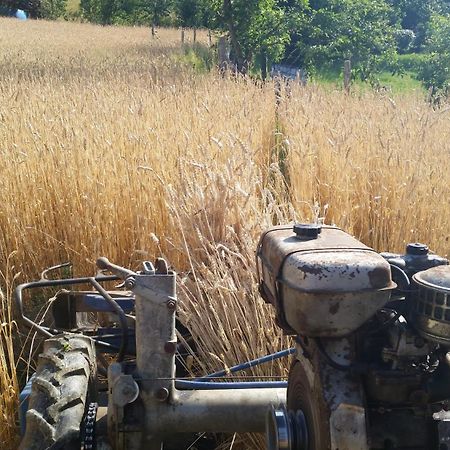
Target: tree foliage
x,y
413,15
358,30
254,26
436,71
32,7
48,9
193,14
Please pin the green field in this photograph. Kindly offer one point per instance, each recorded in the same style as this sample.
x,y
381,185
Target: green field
x,y
384,81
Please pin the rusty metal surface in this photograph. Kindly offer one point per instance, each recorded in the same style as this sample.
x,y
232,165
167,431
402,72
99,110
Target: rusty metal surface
x,y
326,286
331,315
160,410
403,428
155,307
338,395
235,410
336,270
280,241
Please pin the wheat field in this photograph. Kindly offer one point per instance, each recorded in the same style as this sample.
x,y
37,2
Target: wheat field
x,y
112,144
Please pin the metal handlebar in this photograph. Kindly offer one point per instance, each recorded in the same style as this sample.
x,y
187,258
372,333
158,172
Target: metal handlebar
x,y
48,284
105,264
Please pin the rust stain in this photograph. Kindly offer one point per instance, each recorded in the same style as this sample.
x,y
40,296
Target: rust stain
x,y
313,270
334,308
379,277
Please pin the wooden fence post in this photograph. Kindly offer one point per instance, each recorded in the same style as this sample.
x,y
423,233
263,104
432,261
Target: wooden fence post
x,y
222,48
182,35
195,35
153,30
347,75
209,38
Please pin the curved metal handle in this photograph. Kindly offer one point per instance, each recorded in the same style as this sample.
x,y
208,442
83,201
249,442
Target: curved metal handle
x,y
104,264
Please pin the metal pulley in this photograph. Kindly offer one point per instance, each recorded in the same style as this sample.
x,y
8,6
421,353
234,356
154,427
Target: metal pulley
x,y
286,430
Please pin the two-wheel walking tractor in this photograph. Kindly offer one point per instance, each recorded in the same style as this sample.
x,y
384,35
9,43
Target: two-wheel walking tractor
x,y
370,369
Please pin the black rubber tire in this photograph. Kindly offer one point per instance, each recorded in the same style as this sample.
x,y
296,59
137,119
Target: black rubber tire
x,y
60,393
302,396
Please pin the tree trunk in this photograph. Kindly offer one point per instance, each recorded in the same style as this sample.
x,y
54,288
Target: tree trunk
x,y
238,57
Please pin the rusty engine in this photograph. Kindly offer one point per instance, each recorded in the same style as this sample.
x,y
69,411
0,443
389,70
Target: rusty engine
x,y
371,368
372,332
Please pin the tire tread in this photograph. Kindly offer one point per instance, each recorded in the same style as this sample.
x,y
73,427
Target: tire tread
x,y
59,393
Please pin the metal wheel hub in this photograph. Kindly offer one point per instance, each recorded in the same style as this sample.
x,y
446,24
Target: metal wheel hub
x,y
286,430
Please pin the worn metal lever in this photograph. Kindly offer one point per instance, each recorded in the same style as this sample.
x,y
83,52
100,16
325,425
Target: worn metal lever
x,y
104,264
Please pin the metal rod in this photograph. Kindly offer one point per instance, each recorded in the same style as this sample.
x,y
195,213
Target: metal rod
x,y
122,318
213,385
123,273
248,364
50,269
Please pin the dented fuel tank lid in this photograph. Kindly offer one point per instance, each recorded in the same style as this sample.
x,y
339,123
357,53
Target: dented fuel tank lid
x,y
337,270
329,260
323,283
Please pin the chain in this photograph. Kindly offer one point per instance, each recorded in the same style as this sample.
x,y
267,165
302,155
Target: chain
x,y
89,442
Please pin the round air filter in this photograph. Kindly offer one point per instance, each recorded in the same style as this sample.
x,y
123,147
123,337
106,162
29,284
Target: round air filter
x,y
431,304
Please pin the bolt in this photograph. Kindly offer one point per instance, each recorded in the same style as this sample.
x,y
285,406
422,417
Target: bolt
x,y
171,304
162,394
170,347
130,283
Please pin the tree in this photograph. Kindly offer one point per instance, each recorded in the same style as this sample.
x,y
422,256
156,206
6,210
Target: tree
x,y
32,7
413,15
435,71
123,12
99,11
298,17
48,9
157,9
254,26
52,9
189,12
359,30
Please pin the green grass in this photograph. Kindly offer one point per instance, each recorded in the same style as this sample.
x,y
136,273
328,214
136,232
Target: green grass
x,y
398,84
197,56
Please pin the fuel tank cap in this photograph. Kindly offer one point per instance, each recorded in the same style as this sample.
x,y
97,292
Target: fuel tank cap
x,y
307,230
416,248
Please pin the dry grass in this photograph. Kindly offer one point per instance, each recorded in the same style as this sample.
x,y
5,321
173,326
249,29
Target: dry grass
x,y
377,166
112,146
8,377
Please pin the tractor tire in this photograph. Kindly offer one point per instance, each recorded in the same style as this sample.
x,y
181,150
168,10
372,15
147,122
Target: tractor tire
x,y
60,393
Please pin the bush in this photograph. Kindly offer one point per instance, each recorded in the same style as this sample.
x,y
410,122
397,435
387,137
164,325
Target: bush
x,y
412,62
199,57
